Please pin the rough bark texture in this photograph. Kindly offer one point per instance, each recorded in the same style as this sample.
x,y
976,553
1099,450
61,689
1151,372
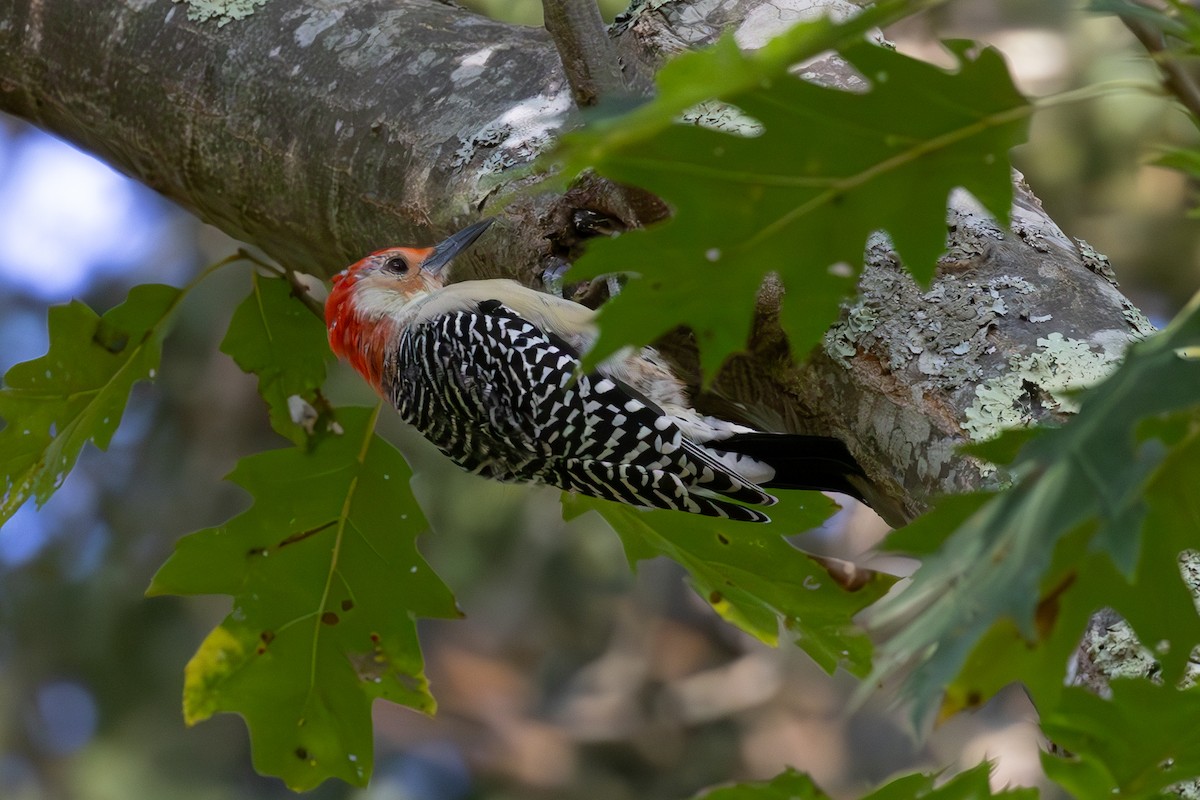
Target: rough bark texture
x,y
321,129
1012,318
315,130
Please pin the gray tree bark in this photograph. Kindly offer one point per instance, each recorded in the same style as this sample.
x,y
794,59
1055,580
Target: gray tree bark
x,y
319,130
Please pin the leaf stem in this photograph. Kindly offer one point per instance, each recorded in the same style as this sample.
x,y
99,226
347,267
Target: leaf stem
x,y
343,518
1175,78
299,289
210,269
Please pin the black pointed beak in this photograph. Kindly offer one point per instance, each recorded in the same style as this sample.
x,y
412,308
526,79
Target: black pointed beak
x,y
446,250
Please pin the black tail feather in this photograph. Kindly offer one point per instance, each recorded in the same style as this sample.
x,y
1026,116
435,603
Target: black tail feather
x,y
822,463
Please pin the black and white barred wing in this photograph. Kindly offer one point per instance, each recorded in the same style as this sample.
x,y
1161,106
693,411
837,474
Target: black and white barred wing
x,y
498,395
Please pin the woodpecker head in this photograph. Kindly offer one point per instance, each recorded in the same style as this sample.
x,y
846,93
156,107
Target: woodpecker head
x,y
362,309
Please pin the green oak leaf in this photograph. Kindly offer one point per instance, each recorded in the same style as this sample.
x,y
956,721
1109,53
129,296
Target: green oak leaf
x,y
1184,160
77,392
1187,161
828,169
275,336
787,785
1140,741
326,583
1179,20
974,784
793,785
1100,509
1081,580
753,577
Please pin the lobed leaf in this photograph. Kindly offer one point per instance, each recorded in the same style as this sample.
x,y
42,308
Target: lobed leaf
x,y
326,584
274,336
77,392
1140,741
793,785
828,169
1100,511
788,785
753,577
974,784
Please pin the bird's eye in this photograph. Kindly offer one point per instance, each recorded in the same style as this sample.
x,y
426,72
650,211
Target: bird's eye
x,y
396,264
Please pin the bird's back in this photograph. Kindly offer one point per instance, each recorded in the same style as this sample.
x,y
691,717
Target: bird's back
x,y
499,396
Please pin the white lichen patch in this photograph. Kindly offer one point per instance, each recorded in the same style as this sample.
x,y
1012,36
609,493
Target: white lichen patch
x,y
1014,282
771,19
518,135
223,11
1063,364
1116,652
1095,261
946,335
841,341
472,66
722,117
1141,324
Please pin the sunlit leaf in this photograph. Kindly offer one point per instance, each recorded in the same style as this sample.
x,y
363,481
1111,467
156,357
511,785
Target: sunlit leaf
x,y
77,392
326,583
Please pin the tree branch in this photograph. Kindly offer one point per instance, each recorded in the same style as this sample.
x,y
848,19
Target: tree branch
x,y
1176,79
319,131
583,45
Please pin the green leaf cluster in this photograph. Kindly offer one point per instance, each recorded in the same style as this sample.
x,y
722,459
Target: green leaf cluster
x,y
1178,23
323,568
327,583
1135,744
1098,516
792,785
273,335
753,577
802,195
76,393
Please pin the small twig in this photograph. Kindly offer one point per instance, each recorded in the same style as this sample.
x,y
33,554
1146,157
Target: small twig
x,y
299,290
586,52
1176,78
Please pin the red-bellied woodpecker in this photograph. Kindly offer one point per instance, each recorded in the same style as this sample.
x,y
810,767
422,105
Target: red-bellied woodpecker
x,y
485,370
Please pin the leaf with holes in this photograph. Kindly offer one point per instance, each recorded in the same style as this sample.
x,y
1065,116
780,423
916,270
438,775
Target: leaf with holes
x,y
327,583
77,392
823,170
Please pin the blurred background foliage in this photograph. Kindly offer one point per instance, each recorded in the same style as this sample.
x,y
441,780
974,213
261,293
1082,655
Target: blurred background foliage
x,y
569,677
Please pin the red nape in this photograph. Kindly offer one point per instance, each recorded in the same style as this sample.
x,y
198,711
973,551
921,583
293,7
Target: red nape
x,y
362,343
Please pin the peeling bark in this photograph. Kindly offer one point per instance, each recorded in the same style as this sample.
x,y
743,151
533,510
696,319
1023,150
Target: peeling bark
x,y
322,129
